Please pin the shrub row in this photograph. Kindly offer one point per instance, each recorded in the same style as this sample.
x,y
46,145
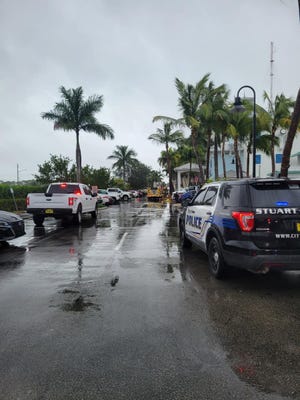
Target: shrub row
x,y
9,205
20,190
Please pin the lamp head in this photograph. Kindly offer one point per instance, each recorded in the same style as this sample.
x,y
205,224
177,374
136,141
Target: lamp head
x,y
238,105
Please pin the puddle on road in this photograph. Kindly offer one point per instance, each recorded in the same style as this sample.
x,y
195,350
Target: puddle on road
x,y
78,304
72,299
103,223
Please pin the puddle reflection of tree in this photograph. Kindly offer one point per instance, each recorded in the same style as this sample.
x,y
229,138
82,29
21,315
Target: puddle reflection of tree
x,y
170,239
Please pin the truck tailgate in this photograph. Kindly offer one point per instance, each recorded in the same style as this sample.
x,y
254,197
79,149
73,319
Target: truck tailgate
x,y
56,200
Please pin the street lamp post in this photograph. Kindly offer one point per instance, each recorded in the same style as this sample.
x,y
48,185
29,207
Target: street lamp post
x,y
238,106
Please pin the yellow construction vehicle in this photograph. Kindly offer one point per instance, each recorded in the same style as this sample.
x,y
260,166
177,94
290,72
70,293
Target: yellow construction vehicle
x,y
155,195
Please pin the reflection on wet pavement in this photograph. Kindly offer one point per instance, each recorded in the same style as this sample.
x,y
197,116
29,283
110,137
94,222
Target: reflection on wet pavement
x,y
256,318
125,280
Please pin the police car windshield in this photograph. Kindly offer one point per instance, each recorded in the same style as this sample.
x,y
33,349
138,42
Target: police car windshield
x,y
275,194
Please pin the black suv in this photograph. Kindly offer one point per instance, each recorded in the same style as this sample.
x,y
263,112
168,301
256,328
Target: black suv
x,y
252,224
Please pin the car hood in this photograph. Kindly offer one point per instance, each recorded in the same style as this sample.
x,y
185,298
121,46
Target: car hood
x,y
9,217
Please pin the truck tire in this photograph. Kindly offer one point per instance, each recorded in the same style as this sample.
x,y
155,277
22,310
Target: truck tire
x,y
77,218
125,197
94,213
38,220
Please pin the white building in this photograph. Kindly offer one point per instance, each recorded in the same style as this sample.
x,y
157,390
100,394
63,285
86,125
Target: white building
x,y
263,169
188,173
263,162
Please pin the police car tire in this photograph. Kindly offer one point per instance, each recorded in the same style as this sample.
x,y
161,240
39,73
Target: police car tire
x,y
217,264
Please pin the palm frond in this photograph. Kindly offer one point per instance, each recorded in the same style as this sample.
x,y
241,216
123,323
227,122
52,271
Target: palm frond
x,y
102,130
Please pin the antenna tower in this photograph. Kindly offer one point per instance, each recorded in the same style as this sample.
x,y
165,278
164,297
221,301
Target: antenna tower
x,y
271,73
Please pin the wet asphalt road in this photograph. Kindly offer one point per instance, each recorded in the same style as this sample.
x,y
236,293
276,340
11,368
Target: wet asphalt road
x,y
115,310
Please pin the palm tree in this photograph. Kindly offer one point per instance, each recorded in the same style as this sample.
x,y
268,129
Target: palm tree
x,y
74,113
166,137
125,159
239,128
290,138
213,118
154,178
190,98
280,113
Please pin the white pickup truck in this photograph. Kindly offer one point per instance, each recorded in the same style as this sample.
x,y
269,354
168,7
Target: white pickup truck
x,y
118,194
62,201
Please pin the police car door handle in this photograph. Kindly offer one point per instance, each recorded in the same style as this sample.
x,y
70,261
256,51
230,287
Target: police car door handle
x,y
208,213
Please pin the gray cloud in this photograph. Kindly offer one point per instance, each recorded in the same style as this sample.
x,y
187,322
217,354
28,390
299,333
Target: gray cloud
x,y
129,51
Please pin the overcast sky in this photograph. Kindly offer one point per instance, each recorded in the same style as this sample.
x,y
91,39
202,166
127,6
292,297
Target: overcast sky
x,y
130,51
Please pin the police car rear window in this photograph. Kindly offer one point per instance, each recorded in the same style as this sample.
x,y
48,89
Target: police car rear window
x,y
275,194
234,195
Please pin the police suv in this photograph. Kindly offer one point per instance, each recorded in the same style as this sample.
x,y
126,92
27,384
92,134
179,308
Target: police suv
x,y
252,224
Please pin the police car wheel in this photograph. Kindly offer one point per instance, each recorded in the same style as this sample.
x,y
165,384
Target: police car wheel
x,y
216,261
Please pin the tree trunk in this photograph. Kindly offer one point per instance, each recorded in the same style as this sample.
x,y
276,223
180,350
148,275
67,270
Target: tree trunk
x,y
240,166
216,161
273,167
198,158
78,158
236,155
223,157
248,159
207,172
124,172
285,164
170,175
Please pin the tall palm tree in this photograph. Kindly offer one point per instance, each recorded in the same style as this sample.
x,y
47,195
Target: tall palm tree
x,y
190,98
280,112
294,126
213,118
125,159
166,137
239,128
243,124
74,113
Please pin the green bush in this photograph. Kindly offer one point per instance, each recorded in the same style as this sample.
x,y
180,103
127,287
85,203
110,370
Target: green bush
x,y
9,205
20,190
20,193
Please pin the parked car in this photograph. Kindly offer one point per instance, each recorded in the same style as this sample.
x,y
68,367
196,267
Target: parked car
x,y
103,195
176,196
119,194
134,193
11,226
105,199
253,224
188,195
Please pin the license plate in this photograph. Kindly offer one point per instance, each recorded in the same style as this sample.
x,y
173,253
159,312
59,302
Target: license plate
x,y
298,226
50,211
